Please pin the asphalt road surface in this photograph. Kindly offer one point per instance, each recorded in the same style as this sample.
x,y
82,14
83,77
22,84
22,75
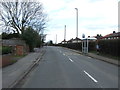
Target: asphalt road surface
x,y
62,68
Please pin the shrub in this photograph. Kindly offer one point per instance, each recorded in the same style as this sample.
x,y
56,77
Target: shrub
x,y
6,50
32,38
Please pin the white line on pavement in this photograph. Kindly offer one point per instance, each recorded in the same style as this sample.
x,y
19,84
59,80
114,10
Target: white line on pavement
x,y
70,59
90,76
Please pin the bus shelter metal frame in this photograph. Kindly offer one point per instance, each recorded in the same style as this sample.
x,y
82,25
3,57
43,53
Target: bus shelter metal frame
x,y
85,45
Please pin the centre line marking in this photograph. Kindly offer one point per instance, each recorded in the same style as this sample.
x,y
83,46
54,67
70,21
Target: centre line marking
x,y
63,54
89,57
70,59
90,76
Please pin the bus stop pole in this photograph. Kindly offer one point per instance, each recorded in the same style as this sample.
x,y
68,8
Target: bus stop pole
x,y
82,46
87,45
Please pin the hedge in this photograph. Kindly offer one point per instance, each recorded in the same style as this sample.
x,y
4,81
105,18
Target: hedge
x,y
6,50
110,47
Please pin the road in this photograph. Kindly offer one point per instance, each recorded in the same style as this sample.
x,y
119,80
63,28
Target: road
x,y
63,68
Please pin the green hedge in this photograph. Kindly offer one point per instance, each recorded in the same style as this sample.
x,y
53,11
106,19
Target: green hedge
x,y
92,46
110,47
76,46
6,50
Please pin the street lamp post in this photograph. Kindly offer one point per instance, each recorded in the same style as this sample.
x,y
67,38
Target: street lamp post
x,y
56,39
76,22
65,34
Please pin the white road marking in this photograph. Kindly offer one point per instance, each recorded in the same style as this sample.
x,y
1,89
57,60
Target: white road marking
x,y
90,76
89,57
71,60
63,54
60,51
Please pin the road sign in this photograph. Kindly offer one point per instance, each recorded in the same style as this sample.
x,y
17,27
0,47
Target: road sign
x,y
83,35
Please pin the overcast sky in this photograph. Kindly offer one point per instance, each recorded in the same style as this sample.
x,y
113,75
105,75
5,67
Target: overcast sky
x,y
95,17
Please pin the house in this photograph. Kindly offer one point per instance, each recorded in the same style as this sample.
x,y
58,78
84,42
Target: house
x,y
76,40
64,42
91,38
70,41
111,36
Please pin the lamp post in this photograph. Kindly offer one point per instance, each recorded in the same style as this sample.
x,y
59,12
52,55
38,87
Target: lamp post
x,y
65,34
76,22
56,39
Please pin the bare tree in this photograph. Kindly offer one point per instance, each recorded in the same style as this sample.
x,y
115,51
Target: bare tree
x,y
20,15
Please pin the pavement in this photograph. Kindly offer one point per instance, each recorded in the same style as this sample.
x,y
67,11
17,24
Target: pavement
x,y
93,55
12,74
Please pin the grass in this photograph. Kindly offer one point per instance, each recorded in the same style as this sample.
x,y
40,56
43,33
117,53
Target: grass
x,y
13,61
17,57
20,56
0,49
106,55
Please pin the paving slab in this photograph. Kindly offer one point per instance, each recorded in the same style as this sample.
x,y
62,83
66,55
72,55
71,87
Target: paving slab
x,y
13,72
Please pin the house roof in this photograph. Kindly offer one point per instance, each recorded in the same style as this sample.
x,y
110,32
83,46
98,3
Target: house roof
x,y
76,39
111,35
64,40
70,40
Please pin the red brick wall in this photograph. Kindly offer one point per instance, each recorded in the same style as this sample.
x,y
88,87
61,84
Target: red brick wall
x,y
19,50
5,60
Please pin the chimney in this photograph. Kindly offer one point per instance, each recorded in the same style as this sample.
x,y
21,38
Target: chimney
x,y
114,32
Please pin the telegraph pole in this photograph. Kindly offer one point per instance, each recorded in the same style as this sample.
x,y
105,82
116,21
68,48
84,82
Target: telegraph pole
x,y
56,38
65,34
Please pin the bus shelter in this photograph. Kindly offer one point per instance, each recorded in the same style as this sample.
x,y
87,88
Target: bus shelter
x,y
85,44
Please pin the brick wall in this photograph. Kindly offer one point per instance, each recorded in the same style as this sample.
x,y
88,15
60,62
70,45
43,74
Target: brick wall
x,y
19,50
19,46
5,60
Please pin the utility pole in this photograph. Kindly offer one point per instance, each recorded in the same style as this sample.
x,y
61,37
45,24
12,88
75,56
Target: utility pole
x,y
76,22
56,38
65,34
